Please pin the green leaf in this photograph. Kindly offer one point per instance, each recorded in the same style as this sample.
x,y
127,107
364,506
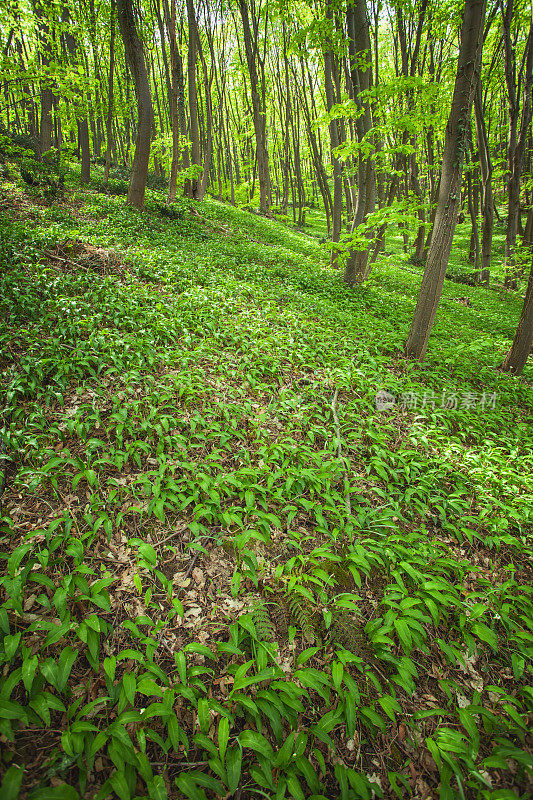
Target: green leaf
x,y
188,786
181,664
149,688
66,662
149,554
284,755
294,787
468,722
337,671
11,644
256,741
208,781
10,710
390,705
515,716
29,668
233,768
129,684
203,715
485,634
11,784
157,789
404,634
263,675
120,785
206,743
201,649
223,736
62,792
306,655
313,679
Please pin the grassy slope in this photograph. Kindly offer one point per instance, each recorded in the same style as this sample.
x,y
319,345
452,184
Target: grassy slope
x,y
223,566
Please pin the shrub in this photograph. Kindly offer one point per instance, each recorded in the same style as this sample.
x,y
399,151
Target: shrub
x,y
48,174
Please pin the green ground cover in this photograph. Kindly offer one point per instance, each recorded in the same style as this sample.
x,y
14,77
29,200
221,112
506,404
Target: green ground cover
x,y
225,571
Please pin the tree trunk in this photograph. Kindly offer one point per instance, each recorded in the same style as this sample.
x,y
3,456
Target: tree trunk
x,y
193,185
517,356
517,139
449,199
334,140
135,58
259,112
170,21
473,209
109,120
361,75
528,229
81,114
208,82
318,164
47,95
485,162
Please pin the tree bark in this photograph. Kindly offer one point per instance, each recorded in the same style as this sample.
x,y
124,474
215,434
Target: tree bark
x,y
81,114
47,95
135,58
208,82
485,163
361,75
517,139
517,356
334,140
109,120
170,22
259,112
192,186
449,198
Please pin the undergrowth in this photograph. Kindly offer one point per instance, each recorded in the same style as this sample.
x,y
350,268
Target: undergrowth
x,y
226,572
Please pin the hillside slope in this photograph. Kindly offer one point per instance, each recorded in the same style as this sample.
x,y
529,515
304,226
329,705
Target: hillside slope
x,y
228,571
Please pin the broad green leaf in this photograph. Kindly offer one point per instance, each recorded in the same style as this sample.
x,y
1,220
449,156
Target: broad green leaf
x,y
203,715
223,737
256,741
485,634
233,767
11,783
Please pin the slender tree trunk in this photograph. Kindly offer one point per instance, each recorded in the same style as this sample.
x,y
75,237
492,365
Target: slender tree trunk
x,y
47,95
334,140
170,21
393,188
474,252
517,138
109,120
182,111
315,151
137,66
259,111
517,356
98,127
450,181
208,82
81,114
528,229
361,74
192,186
485,163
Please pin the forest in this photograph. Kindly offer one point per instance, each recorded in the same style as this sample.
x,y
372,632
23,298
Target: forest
x,y
266,399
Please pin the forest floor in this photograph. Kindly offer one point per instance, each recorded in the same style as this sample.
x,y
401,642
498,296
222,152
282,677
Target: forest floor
x,y
227,570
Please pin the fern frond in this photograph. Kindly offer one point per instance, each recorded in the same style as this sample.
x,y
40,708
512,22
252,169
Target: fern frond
x,y
263,624
302,616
